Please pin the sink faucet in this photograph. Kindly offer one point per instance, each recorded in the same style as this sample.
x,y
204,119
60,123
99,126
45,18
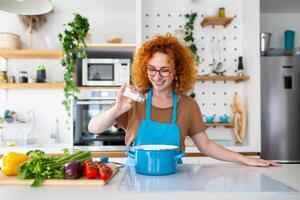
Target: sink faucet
x,y
55,135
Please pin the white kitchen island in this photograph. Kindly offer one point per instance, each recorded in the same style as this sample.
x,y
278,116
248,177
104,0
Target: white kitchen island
x,y
197,181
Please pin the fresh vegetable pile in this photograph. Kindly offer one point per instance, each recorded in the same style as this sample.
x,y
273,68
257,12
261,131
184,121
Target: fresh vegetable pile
x,y
41,166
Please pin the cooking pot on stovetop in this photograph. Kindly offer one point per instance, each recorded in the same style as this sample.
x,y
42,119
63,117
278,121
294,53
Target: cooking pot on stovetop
x,y
155,159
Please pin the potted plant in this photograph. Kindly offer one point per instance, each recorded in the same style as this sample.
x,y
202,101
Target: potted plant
x,y
41,74
73,46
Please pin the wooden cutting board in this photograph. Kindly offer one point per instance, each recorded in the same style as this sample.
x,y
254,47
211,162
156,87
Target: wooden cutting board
x,y
83,181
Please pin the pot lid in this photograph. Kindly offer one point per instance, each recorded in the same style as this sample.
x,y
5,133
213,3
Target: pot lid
x,y
155,147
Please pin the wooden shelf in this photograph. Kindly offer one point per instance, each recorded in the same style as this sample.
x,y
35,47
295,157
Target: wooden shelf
x,y
98,87
224,21
32,85
225,125
54,54
111,45
49,86
222,78
30,54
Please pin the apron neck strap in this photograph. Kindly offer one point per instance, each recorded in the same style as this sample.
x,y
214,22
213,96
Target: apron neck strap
x,y
174,107
149,103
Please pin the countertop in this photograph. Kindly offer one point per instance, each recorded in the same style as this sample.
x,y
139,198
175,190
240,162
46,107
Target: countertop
x,y
102,151
57,148
287,176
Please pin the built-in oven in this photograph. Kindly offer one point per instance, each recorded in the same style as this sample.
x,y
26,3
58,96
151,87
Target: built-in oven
x,y
88,104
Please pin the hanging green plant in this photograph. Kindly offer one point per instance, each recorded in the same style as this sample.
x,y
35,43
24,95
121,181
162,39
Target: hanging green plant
x,y
189,35
73,46
192,94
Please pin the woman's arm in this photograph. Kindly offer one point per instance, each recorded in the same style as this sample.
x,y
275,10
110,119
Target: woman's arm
x,y
102,121
216,151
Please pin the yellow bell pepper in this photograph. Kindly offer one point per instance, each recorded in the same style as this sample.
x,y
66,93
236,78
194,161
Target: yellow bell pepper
x,y
11,161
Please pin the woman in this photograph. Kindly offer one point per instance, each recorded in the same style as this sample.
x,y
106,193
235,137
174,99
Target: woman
x,y
164,70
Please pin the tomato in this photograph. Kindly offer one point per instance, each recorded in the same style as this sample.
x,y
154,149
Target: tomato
x,y
91,169
87,162
105,172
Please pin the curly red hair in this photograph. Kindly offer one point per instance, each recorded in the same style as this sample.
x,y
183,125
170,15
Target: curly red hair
x,y
180,57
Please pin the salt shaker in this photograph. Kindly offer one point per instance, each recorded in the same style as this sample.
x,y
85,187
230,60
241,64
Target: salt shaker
x,y
134,95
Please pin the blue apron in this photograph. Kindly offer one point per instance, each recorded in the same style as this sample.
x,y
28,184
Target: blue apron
x,y
152,132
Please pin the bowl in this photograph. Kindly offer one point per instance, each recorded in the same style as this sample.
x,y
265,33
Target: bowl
x,y
10,143
224,119
209,119
9,119
115,40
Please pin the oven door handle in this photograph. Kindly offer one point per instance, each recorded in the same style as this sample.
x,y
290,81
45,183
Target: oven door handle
x,y
94,102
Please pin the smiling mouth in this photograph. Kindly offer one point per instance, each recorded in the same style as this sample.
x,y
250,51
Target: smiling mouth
x,y
159,83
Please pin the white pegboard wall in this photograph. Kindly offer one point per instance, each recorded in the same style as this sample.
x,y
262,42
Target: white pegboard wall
x,y
213,97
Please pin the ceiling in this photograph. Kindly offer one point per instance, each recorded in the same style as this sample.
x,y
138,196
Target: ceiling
x,y
280,6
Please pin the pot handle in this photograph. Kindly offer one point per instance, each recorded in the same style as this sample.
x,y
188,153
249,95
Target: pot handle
x,y
180,155
131,153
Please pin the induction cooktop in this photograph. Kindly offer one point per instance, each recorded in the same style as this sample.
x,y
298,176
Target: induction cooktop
x,y
210,178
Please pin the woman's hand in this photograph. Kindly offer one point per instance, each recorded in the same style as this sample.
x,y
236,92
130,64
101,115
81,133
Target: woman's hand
x,y
257,162
123,103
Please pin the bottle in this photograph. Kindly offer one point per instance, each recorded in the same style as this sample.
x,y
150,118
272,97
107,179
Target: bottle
x,y
240,67
134,95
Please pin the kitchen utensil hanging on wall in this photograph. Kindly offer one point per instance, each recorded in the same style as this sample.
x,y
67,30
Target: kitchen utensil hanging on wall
x,y
239,119
219,67
213,57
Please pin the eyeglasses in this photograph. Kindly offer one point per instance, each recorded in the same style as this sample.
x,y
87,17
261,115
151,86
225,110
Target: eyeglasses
x,y
164,71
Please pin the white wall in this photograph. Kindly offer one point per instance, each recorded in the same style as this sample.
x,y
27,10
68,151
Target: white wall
x,y
106,18
277,23
279,6
251,53
240,38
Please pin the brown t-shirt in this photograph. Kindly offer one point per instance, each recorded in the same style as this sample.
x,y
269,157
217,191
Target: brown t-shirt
x,y
189,119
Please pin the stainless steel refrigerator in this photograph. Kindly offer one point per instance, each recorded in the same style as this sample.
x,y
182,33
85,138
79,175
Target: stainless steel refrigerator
x,y
280,105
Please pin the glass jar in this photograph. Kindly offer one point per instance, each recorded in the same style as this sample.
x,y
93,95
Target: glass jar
x,y
12,79
23,77
134,95
222,12
3,77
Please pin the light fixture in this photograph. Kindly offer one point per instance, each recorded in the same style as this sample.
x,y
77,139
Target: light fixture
x,y
26,7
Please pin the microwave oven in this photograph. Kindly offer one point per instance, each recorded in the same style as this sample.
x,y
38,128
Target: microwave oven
x,y
105,72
